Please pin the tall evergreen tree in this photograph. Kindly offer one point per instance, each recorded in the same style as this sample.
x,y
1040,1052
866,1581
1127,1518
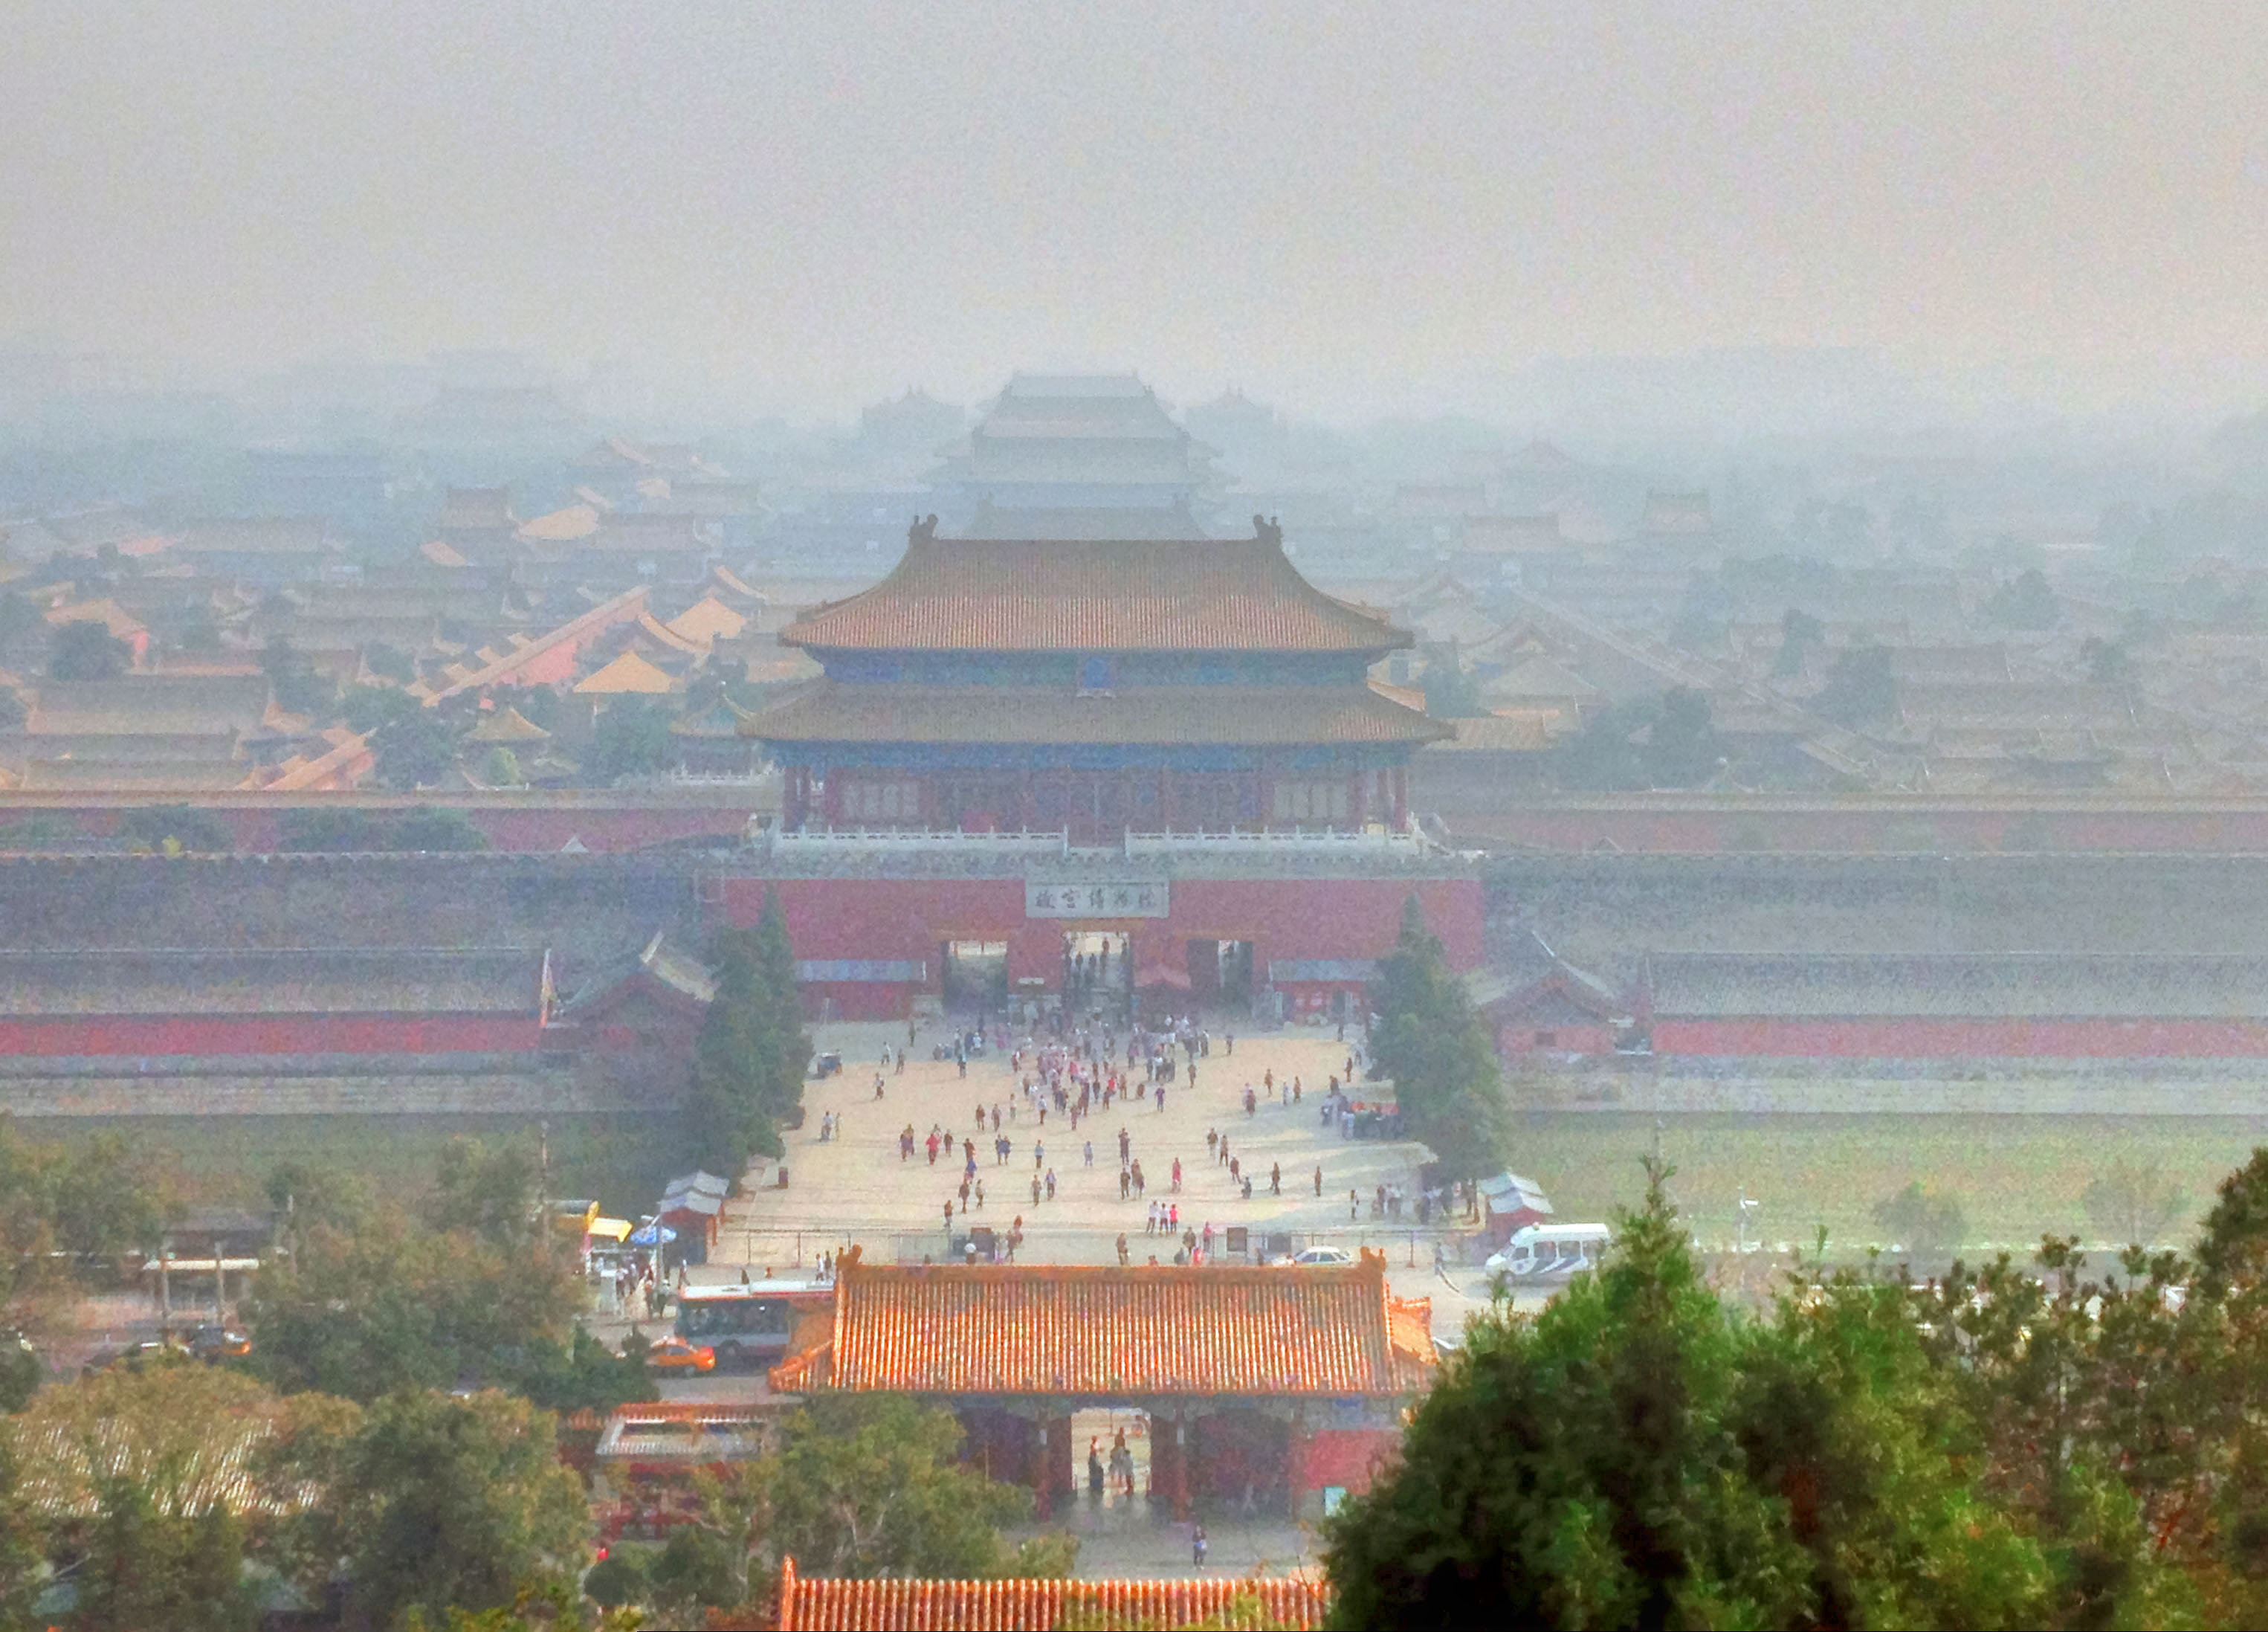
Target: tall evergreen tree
x,y
723,1118
788,1043
1435,1046
753,1051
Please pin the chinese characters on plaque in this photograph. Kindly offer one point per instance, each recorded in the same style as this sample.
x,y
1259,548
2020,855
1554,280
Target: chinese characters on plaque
x,y
1093,898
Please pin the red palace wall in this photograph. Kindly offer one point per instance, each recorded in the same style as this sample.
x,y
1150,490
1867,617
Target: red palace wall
x,y
1348,1458
155,1036
877,919
1514,1040
1769,1039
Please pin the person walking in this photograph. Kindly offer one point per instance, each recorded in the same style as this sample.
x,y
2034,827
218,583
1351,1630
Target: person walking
x,y
1177,1174
1319,1178
1275,1179
1122,1249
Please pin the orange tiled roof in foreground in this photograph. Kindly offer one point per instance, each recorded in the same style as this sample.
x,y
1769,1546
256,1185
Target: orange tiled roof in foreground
x,y
1236,594
1112,1331
823,1605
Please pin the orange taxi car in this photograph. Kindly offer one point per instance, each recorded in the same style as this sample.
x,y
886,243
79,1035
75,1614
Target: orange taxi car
x,y
674,1354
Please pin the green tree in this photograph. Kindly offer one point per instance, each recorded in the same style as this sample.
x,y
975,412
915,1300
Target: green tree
x,y
2024,601
631,738
501,768
84,650
582,1373
753,1051
434,828
1923,1225
788,1055
440,1504
174,828
2108,662
299,688
1450,692
1861,689
868,1486
18,617
1682,746
303,829
21,1373
390,661
722,1115
145,1567
199,630
2133,1203
1603,756
21,1559
148,1477
1799,632
1429,1038
1637,1456
414,751
63,1204
489,1192
367,708
388,1305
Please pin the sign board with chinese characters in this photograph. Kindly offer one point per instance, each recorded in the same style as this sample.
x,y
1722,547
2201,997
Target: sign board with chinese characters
x,y
1094,898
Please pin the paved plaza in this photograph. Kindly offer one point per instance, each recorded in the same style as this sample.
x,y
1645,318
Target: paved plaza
x,y
856,1189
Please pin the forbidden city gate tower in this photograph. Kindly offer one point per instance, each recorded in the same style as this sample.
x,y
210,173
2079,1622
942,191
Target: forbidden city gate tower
x,y
1024,753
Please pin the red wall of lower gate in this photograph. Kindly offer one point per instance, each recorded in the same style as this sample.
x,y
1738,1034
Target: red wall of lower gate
x,y
1348,1457
1876,1038
905,918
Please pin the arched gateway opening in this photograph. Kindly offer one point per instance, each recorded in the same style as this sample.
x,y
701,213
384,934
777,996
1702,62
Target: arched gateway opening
x,y
1238,1389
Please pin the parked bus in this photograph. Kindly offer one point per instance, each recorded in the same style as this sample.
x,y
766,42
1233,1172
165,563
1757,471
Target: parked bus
x,y
1549,1251
750,1323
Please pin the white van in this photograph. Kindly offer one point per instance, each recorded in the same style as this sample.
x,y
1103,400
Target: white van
x,y
1549,1251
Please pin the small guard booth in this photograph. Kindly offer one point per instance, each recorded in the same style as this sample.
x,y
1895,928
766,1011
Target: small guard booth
x,y
1285,1386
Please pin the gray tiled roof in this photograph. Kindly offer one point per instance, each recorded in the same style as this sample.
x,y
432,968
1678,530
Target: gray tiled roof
x,y
298,981
1949,985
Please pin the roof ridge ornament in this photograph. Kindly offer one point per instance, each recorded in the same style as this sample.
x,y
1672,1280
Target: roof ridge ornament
x,y
1268,531
923,530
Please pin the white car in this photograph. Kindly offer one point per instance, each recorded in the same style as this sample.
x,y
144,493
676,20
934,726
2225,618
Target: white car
x,y
1317,1255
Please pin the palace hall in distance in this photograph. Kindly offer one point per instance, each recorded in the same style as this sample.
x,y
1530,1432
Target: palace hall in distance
x,y
1156,765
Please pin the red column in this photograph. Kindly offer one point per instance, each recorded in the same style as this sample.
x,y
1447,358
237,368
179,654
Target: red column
x,y
1043,1461
1180,1491
1401,799
1295,1464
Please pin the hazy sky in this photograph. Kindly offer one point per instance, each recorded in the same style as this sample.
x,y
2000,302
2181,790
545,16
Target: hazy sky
x,y
836,200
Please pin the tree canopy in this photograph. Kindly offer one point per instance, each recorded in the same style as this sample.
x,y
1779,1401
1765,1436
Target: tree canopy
x,y
1429,1038
439,1503
753,1051
2014,1445
1861,690
85,650
630,738
1666,742
1636,1456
